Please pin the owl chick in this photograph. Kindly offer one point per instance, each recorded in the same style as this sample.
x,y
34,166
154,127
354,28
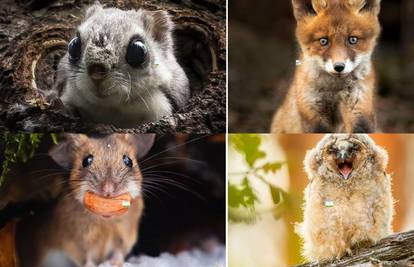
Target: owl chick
x,y
348,200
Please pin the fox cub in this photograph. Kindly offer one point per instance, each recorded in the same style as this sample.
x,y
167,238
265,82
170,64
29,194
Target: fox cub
x,y
334,84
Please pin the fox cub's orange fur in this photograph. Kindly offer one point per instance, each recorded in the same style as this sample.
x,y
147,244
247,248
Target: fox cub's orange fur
x,y
334,83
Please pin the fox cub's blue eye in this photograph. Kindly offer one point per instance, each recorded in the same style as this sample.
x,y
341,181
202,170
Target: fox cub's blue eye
x,y
324,41
87,161
74,49
353,40
137,53
127,161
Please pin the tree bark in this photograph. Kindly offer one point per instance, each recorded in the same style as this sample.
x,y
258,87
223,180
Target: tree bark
x,y
395,250
34,35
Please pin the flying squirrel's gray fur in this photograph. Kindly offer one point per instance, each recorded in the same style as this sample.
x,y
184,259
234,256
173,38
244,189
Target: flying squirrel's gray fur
x,y
127,96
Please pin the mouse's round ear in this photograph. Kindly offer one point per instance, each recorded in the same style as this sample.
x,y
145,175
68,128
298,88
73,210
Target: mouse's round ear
x,y
142,142
96,7
159,24
63,153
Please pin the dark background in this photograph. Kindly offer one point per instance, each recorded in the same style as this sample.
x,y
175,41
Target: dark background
x,y
263,50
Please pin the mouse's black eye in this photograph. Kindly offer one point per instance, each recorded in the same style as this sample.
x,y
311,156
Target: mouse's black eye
x,y
127,161
74,49
137,53
87,161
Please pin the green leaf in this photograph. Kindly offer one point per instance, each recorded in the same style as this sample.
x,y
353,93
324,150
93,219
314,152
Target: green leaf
x,y
277,194
280,200
241,195
234,196
54,138
18,148
248,145
248,216
272,167
249,197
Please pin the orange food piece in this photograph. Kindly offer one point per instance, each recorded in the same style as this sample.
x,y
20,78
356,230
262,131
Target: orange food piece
x,y
107,206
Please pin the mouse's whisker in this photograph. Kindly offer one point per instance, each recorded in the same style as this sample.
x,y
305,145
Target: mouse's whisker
x,y
159,188
47,170
175,183
149,193
186,159
175,147
179,175
171,162
159,165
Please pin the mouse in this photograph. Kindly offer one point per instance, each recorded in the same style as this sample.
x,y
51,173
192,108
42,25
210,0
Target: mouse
x,y
120,68
106,166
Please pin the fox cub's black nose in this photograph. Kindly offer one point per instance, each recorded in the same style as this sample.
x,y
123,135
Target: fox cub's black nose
x,y
339,67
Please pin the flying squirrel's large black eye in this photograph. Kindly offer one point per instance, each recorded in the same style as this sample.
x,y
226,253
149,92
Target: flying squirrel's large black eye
x,y
127,161
87,161
137,53
74,49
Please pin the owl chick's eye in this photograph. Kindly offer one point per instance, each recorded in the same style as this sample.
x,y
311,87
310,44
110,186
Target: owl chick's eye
x,y
332,150
355,148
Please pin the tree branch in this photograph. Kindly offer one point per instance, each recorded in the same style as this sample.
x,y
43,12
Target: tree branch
x,y
395,250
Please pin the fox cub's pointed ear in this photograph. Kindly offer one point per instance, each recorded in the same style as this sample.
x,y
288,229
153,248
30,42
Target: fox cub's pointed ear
x,y
303,8
366,5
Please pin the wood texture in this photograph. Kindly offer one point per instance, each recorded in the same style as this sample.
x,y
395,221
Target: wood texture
x,y
395,250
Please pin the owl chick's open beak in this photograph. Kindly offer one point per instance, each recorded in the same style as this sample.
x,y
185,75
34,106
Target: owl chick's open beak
x,y
344,162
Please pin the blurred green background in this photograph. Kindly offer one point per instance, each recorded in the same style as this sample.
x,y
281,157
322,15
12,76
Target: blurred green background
x,y
266,184
263,50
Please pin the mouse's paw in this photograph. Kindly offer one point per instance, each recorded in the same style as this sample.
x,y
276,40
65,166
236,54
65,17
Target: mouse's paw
x,y
117,259
90,263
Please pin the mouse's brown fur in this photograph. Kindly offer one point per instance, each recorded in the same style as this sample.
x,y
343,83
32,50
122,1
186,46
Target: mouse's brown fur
x,y
66,225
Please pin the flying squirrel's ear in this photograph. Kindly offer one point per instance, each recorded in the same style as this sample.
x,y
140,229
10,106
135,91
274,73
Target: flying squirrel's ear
x,y
372,6
96,7
303,8
63,153
160,25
